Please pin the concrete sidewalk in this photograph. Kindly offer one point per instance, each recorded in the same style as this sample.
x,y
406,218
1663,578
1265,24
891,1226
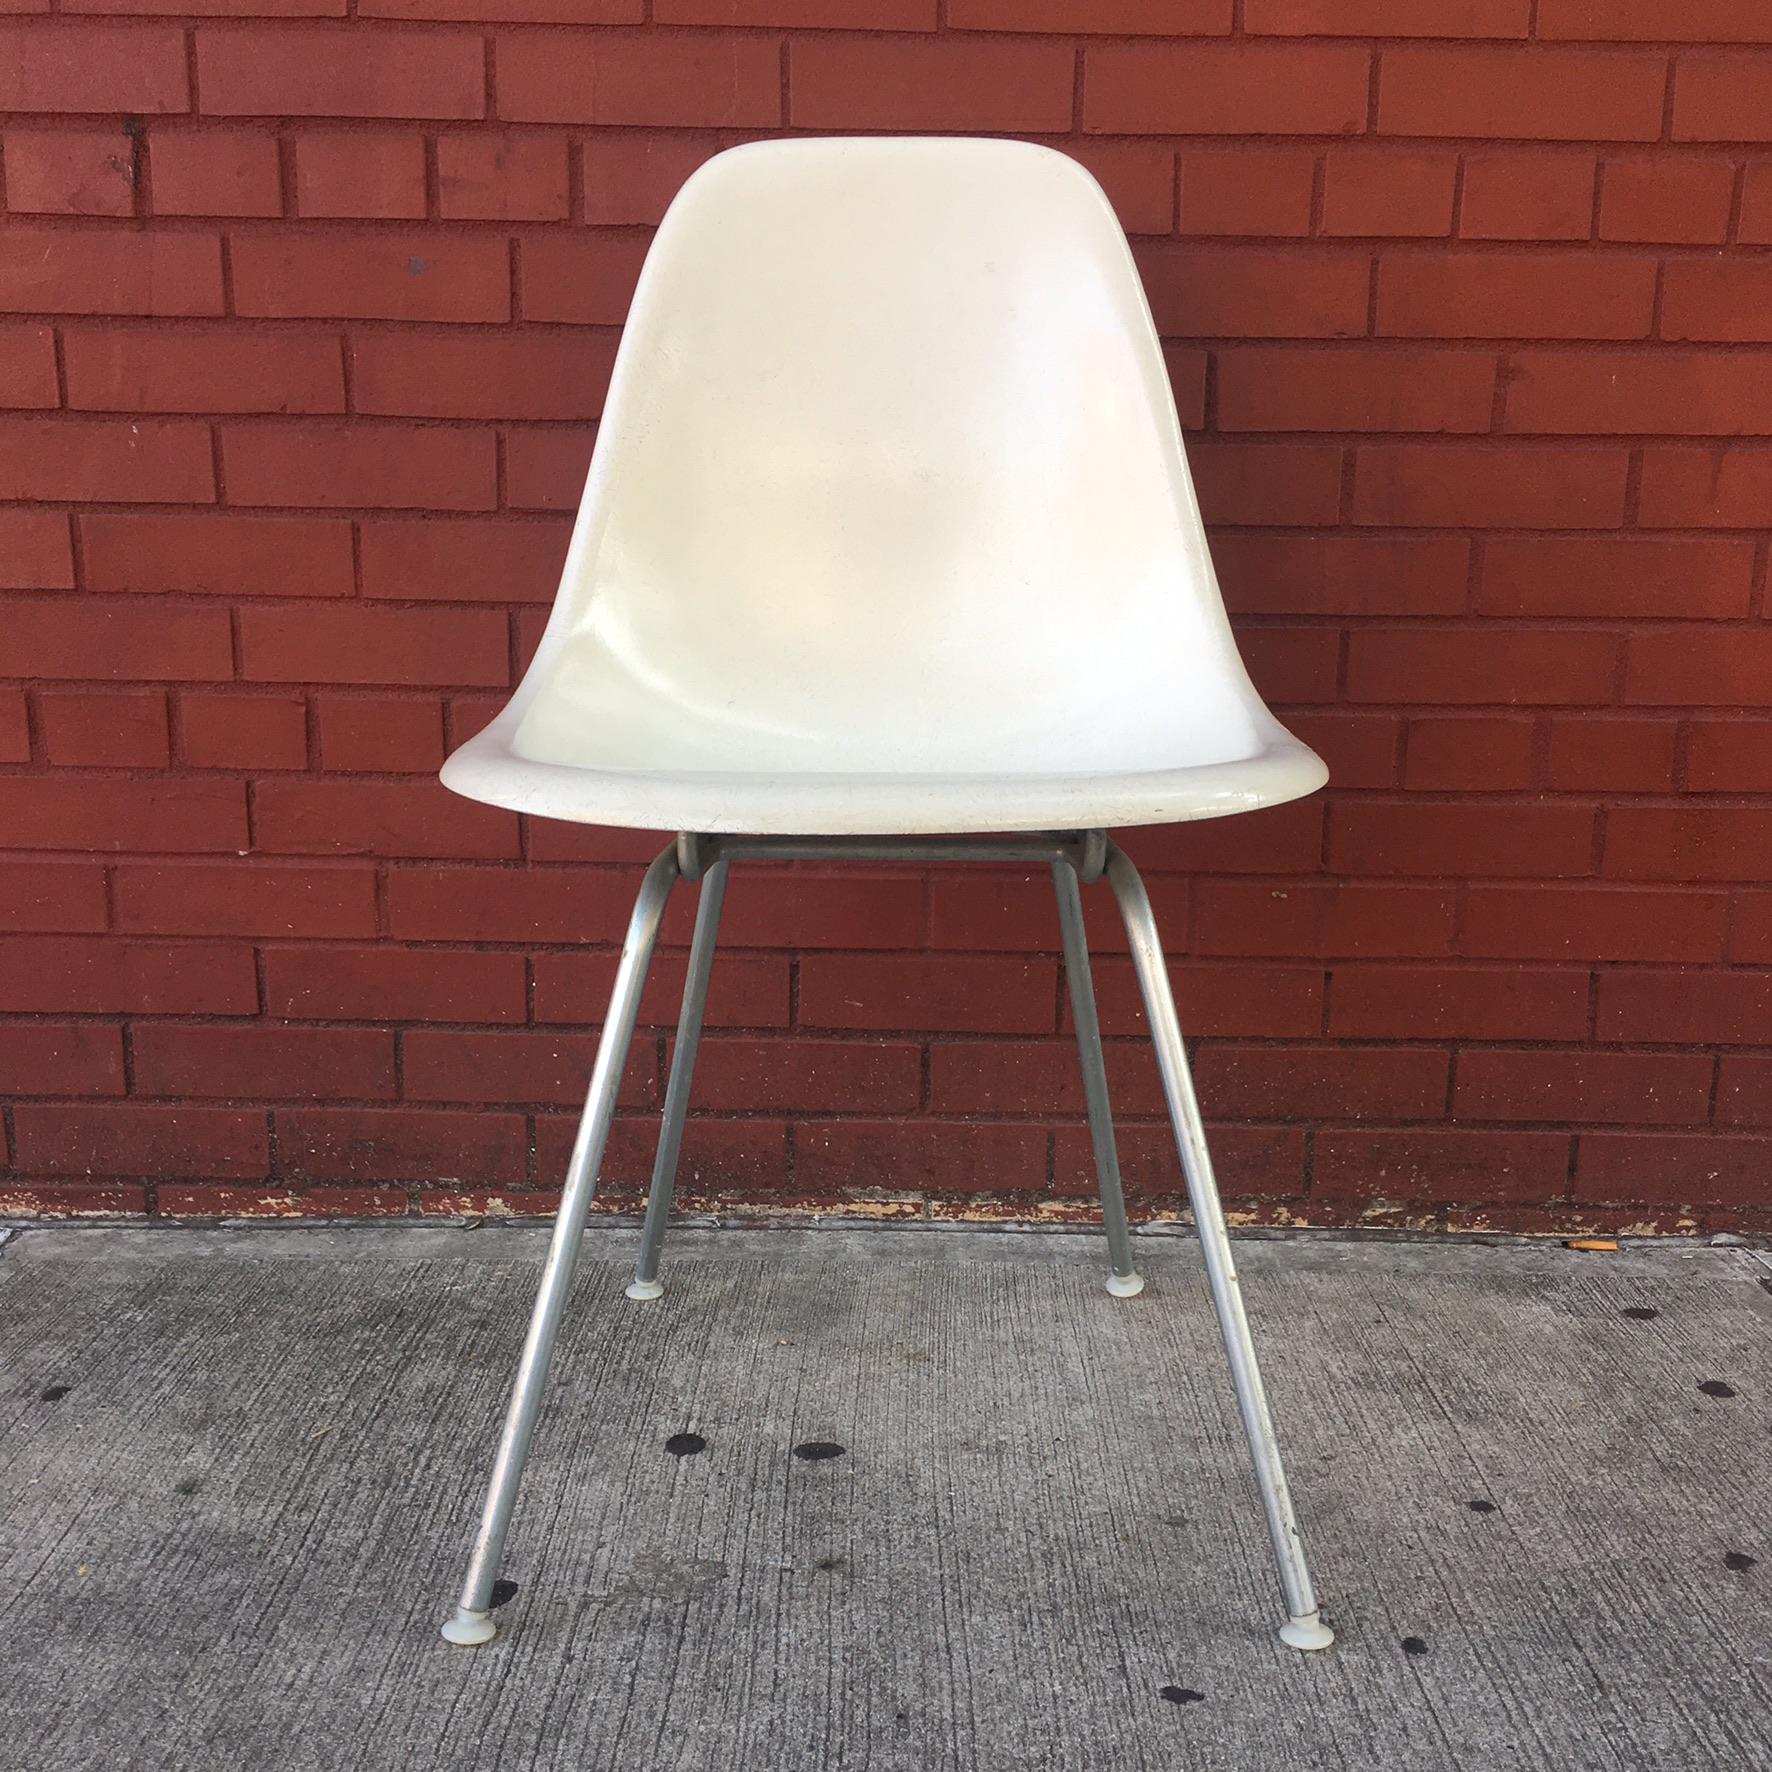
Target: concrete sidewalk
x,y
240,1469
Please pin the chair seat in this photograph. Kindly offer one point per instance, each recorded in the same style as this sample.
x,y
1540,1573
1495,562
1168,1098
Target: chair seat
x,y
797,802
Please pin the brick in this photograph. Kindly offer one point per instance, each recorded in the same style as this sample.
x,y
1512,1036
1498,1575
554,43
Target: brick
x,y
34,551
1751,938
747,990
1639,577
264,1063
566,12
542,376
1277,840
362,276
1592,923
704,81
545,469
1292,665
719,1156
243,731
1388,192
1726,98
104,813
92,68
1357,918
1697,393
919,1156
955,993
146,461
1546,840
367,173
1705,488
1010,911
87,638
1321,1083
1754,227
1139,179
1527,196
217,554
1611,755
1389,18
379,818
252,899
809,1076
1744,1089
1488,485
1355,389
1243,1000
1688,1007
373,466
1467,753
102,975
27,371
1690,1168
518,1066
1514,295
1618,1088
266,1201
482,561
1036,1078
62,1058
1254,291
1422,1003
370,645
1538,94
213,8
630,180
15,727
805,910
502,177
1342,574
1253,1163
1453,1164
113,1139
1718,300
1699,21
1703,667
1688,843
208,371
1646,197
392,984
1277,483
52,896
401,1144
115,729
70,172
1223,89
50,270
928,83
311,71
216,172
1473,665
586,280
379,733
70,1200
1729,756
1246,190
494,904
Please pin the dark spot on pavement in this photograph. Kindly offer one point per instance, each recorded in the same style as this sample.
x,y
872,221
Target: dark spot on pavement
x,y
53,1393
501,1592
1639,1313
817,1449
1739,1561
1480,1506
1181,1694
187,1485
1415,1645
1715,1387
685,1445
831,1564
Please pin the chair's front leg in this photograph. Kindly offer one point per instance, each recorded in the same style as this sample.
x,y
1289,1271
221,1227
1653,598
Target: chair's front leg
x,y
472,1622
1303,1628
646,1283
1124,1280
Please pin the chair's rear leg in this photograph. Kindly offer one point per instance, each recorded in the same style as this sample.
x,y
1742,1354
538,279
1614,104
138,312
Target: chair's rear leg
x,y
472,1622
1303,1628
646,1283
1124,1280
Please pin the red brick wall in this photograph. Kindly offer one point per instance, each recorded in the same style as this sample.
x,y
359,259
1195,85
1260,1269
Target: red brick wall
x,y
1471,318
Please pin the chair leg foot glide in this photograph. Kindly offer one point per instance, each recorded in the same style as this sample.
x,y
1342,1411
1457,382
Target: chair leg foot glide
x,y
468,1630
1306,1633
642,1289
1125,1285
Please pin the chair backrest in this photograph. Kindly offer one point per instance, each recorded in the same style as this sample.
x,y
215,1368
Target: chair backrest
x,y
889,480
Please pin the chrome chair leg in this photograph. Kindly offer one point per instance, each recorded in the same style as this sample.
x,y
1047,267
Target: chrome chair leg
x,y
1304,1628
472,1622
646,1283
1124,1280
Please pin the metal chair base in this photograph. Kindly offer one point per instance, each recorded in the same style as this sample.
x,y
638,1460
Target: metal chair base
x,y
1075,857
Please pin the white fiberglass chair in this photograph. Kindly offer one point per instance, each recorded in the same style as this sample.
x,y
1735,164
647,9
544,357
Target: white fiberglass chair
x,y
889,548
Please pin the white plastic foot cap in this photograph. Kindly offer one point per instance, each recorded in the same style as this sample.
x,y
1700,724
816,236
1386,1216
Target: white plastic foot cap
x,y
1306,1633
646,1289
1125,1285
469,1628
